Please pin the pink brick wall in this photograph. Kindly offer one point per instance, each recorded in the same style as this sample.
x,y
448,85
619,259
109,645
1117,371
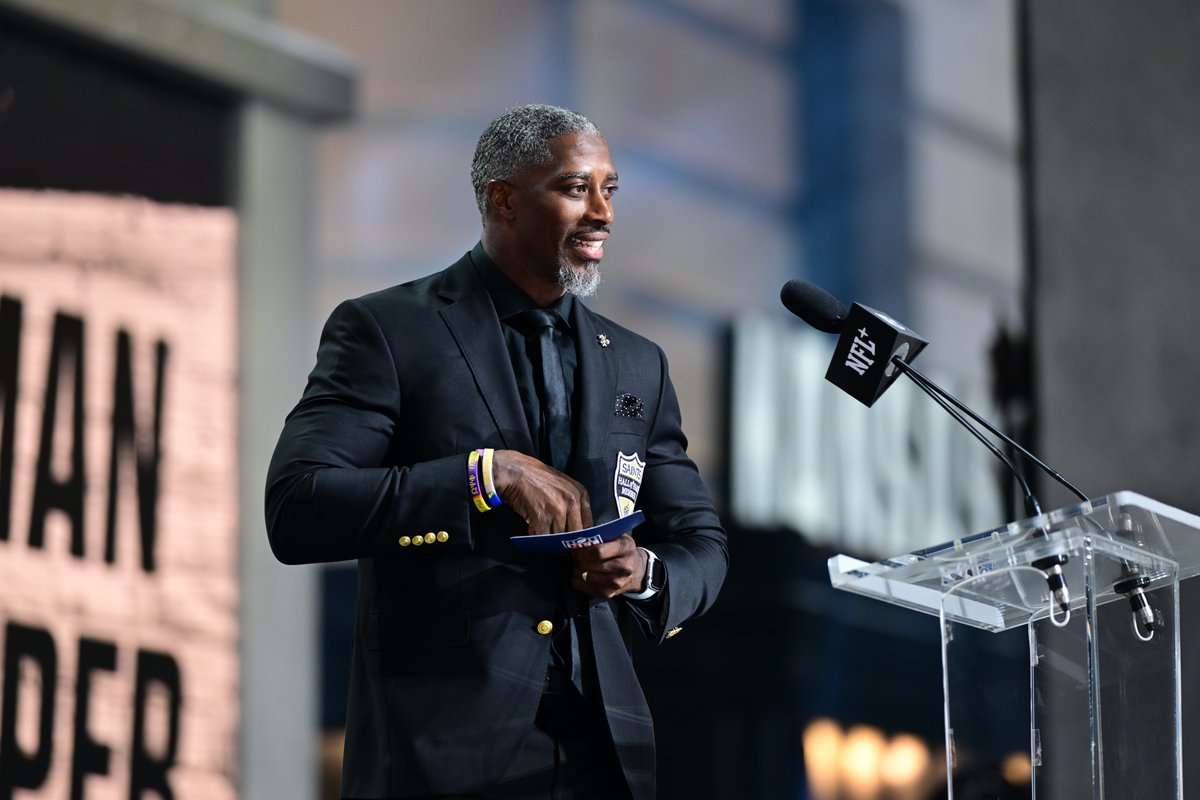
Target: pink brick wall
x,y
160,273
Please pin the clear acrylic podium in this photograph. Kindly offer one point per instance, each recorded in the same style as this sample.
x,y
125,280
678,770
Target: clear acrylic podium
x,y
1097,697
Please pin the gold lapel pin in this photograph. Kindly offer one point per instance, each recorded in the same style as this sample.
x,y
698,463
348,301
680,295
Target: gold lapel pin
x,y
602,339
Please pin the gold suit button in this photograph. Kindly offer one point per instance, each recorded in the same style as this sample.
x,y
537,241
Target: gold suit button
x,y
443,536
405,541
417,540
430,537
673,631
545,626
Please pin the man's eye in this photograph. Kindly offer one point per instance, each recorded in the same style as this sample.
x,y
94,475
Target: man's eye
x,y
611,189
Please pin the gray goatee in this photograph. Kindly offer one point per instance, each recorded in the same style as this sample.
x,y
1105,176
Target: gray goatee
x,y
580,281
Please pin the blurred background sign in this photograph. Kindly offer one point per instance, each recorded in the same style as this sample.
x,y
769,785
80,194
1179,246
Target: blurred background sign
x,y
118,493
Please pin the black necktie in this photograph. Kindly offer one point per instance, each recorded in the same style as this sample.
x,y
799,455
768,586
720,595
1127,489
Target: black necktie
x,y
556,446
556,410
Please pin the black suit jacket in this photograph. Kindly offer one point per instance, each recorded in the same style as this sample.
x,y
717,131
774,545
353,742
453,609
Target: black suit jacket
x,y
448,664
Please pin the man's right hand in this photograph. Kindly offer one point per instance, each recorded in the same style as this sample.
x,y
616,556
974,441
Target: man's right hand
x,y
548,500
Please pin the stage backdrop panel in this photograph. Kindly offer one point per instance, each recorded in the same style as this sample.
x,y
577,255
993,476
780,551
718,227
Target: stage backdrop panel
x,y
118,498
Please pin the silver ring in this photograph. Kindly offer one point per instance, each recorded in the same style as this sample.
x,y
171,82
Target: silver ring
x,y
583,576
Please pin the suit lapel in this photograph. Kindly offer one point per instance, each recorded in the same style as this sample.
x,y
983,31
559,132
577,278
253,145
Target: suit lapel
x,y
597,384
472,321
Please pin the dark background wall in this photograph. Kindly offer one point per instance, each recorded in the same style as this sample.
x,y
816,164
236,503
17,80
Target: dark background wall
x,y
1116,129
1114,279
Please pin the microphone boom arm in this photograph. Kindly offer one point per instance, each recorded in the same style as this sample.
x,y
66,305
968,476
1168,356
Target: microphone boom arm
x,y
932,388
1031,504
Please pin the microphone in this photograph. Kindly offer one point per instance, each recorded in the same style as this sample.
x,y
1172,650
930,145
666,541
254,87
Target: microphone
x,y
814,305
870,340
807,300
866,334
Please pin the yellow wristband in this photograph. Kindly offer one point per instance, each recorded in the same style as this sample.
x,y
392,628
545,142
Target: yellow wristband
x,y
473,482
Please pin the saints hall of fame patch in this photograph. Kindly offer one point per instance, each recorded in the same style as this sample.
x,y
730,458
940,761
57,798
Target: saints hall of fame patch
x,y
627,482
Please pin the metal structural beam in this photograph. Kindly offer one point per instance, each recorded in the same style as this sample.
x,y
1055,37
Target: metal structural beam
x,y
219,44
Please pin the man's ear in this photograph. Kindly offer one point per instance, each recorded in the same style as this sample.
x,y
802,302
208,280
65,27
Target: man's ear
x,y
500,197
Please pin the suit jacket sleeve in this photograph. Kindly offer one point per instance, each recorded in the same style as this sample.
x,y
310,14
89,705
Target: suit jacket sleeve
x,y
684,530
333,493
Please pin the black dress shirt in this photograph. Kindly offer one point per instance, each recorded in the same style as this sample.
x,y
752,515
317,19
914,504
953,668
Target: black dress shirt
x,y
511,302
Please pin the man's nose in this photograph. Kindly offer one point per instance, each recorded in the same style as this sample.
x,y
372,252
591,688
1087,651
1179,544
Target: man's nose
x,y
600,207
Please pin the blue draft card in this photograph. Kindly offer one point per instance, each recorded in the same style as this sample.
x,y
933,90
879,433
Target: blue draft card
x,y
551,543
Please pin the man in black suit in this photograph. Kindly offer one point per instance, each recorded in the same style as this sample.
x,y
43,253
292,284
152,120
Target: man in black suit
x,y
482,402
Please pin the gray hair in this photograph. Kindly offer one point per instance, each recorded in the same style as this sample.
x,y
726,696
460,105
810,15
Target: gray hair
x,y
516,140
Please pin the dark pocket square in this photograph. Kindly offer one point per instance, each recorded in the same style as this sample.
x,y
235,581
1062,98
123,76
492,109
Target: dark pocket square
x,y
629,406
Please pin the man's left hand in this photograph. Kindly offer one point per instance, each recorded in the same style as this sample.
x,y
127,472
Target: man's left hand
x,y
610,568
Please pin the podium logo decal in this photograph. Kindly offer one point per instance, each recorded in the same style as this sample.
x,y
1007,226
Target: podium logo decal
x,y
628,482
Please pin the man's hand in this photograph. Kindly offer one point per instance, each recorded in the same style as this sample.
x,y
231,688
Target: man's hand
x,y
609,569
548,500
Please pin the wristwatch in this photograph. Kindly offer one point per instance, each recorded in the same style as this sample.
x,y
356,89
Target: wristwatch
x,y
656,577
